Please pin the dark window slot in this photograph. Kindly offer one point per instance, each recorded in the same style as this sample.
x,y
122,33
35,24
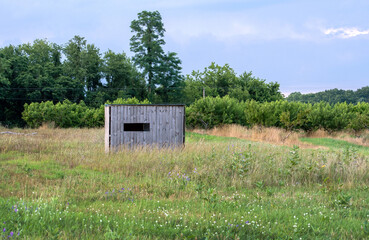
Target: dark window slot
x,y
137,127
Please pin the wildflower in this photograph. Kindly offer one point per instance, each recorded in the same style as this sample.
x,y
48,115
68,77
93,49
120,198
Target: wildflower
x,y
4,229
11,234
323,166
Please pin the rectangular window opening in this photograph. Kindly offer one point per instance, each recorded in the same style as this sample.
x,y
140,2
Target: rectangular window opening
x,y
137,127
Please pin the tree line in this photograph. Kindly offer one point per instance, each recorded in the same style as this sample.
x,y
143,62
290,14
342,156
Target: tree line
x,y
78,71
216,111
332,96
211,112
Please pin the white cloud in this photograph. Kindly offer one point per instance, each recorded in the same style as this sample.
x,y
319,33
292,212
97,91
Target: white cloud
x,y
230,27
344,32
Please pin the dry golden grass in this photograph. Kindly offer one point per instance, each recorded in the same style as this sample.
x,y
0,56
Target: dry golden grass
x,y
280,136
271,135
362,139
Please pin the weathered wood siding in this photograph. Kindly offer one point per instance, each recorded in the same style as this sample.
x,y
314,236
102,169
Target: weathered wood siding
x,y
167,125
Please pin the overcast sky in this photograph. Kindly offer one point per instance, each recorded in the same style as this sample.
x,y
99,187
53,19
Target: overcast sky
x,y
305,45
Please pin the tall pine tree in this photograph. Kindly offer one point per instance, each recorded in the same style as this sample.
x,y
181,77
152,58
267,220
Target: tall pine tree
x,y
161,70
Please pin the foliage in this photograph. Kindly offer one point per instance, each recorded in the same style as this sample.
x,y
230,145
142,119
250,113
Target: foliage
x,y
122,78
332,96
30,73
210,112
220,81
76,71
67,114
214,111
42,71
161,70
170,81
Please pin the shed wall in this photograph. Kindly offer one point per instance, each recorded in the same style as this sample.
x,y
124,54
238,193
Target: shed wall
x,y
167,125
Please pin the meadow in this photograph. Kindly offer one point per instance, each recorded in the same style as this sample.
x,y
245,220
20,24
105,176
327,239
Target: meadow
x,y
59,183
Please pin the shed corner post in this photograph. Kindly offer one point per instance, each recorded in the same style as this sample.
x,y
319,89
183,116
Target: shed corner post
x,y
184,126
107,128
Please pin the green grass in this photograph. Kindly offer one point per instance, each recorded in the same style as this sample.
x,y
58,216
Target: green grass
x,y
214,188
336,144
291,214
192,137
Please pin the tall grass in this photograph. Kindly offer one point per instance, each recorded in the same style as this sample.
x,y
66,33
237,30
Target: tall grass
x,y
215,188
284,137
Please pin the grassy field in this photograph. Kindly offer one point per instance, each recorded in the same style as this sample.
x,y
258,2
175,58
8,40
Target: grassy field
x,y
59,183
337,144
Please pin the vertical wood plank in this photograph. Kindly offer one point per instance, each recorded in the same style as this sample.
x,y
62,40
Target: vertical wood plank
x,y
175,130
152,118
170,125
174,125
139,120
178,125
134,134
112,128
144,135
184,125
107,128
165,125
159,127
122,126
134,120
118,127
127,134
116,124
142,120
124,121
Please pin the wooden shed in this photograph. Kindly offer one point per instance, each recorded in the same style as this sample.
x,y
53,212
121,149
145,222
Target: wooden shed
x,y
144,124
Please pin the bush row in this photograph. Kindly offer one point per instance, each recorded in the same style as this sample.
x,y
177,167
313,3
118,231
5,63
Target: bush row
x,y
67,114
214,111
210,112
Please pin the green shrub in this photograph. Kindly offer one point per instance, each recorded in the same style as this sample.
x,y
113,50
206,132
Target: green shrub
x,y
67,114
210,112
214,111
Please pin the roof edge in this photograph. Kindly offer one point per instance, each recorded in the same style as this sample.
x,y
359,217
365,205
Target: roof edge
x,y
162,105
